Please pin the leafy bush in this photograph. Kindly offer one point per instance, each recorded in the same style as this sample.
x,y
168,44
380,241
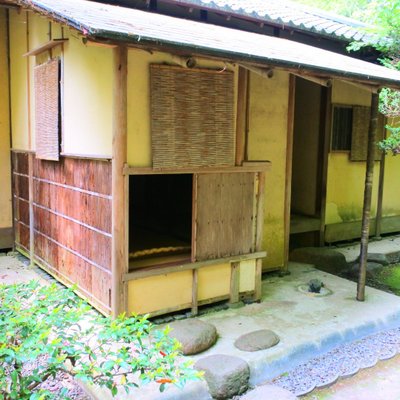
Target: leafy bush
x,y
47,329
392,143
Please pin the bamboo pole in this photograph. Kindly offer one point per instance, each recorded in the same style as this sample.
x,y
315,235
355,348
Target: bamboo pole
x,y
119,190
241,116
373,124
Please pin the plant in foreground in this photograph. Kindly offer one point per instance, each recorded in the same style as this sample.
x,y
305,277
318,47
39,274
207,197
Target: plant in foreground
x,y
45,330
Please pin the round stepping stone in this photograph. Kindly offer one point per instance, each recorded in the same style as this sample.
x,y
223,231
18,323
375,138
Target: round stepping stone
x,y
257,340
269,392
194,335
226,376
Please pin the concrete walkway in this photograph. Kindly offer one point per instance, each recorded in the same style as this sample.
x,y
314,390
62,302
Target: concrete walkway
x,y
306,324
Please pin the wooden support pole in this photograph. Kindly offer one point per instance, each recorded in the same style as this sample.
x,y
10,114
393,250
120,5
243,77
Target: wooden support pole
x,y
234,287
31,211
195,290
325,138
289,159
241,119
373,124
259,232
119,207
378,219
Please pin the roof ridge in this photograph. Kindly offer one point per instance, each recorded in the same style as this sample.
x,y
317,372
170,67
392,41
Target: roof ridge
x,y
284,10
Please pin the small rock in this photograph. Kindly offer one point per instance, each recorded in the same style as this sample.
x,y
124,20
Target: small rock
x,y
226,376
376,258
257,340
372,269
315,285
269,392
325,259
194,335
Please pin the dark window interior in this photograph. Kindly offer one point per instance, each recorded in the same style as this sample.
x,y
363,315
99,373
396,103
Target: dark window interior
x,y
160,215
342,127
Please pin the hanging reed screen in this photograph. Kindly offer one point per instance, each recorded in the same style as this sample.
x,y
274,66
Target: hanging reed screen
x,y
47,111
359,138
192,117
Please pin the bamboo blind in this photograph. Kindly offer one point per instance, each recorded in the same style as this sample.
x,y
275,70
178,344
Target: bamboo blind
x,y
359,139
47,110
192,117
225,215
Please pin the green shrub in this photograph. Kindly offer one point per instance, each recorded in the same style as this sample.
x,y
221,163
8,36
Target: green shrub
x,y
392,143
47,329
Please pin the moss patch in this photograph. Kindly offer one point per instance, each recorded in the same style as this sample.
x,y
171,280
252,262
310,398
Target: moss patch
x,y
390,277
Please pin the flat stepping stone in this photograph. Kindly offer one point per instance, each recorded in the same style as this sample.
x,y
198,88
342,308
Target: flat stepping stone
x,y
269,392
376,258
372,269
257,340
226,376
327,260
194,335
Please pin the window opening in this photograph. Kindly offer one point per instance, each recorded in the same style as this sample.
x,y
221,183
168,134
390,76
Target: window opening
x,y
160,219
342,128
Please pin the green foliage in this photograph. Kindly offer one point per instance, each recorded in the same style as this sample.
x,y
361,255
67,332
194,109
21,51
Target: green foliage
x,y
352,9
392,143
45,329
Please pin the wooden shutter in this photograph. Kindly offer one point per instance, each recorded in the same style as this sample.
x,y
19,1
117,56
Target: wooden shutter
x,y
192,117
224,215
359,139
47,112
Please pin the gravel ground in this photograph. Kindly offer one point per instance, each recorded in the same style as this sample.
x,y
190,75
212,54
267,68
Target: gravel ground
x,y
343,361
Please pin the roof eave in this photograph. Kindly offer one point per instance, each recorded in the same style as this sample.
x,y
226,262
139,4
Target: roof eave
x,y
232,56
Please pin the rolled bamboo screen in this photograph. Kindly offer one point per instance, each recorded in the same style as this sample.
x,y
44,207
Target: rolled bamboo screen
x,y
47,112
192,117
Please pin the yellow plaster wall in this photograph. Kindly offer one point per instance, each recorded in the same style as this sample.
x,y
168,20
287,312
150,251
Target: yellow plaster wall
x,y
174,290
214,281
247,275
345,182
5,167
267,141
87,98
160,292
391,189
346,93
86,87
345,189
139,139
19,80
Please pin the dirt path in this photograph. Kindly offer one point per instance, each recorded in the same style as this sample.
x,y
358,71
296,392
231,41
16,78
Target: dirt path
x,y
378,383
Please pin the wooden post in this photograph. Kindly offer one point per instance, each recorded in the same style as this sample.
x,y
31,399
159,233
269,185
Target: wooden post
x,y
259,231
241,113
195,290
289,159
324,151
31,211
378,219
234,287
367,196
119,189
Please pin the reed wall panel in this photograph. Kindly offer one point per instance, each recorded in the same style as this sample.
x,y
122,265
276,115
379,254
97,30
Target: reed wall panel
x,y
71,221
73,204
20,186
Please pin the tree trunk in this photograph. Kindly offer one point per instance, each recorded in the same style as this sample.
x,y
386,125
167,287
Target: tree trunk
x,y
367,197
